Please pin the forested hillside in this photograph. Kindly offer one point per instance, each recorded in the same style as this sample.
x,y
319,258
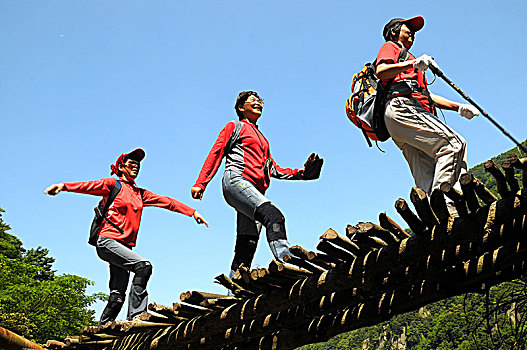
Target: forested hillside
x,y
493,320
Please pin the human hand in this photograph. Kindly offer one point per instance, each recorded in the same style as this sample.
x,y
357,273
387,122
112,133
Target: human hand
x,y
196,192
467,111
200,219
312,167
54,189
423,62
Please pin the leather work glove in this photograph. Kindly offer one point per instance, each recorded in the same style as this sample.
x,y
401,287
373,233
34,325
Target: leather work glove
x,y
312,167
423,62
467,111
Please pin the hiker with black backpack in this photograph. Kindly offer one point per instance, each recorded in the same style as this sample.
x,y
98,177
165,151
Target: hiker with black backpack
x,y
434,151
117,233
248,171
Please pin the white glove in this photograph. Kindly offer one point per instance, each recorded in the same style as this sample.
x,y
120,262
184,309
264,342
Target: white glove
x,y
423,62
468,111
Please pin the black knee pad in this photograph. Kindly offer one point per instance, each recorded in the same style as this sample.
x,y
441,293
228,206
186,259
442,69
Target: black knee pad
x,y
142,273
244,251
114,305
273,220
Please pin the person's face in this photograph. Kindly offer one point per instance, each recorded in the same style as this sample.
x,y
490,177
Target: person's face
x,y
252,108
130,169
406,37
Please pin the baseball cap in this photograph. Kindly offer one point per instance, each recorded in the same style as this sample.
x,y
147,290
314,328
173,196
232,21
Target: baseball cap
x,y
137,154
415,23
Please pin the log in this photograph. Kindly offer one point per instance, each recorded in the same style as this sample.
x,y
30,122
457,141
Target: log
x,y
501,182
367,243
304,254
145,316
456,197
438,204
100,336
508,168
195,297
13,341
256,285
519,164
484,193
372,230
323,258
468,188
415,224
388,224
242,276
419,198
219,302
167,312
303,264
236,289
343,242
276,267
54,344
334,251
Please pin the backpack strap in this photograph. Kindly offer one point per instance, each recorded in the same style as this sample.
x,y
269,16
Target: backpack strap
x,y
235,135
403,56
115,191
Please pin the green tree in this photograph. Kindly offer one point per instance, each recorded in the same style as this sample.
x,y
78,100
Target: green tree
x,y
34,301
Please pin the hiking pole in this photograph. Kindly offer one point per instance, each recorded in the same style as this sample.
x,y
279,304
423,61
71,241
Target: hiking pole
x,y
435,69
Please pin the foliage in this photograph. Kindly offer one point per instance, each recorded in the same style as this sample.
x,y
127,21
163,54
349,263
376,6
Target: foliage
x,y
34,301
497,320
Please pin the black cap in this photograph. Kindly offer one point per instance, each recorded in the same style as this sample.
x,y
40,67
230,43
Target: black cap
x,y
414,23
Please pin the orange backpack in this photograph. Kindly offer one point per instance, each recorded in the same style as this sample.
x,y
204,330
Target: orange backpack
x,y
365,106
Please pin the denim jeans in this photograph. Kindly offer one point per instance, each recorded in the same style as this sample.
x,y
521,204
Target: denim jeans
x,y
122,260
243,196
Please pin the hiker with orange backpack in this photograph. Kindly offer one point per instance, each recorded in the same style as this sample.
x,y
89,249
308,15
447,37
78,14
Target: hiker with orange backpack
x,y
118,231
433,150
248,171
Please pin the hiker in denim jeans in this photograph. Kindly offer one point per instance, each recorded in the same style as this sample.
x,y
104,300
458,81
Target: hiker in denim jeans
x,y
118,231
248,171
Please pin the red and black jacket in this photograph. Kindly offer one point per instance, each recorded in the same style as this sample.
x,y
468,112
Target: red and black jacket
x,y
247,153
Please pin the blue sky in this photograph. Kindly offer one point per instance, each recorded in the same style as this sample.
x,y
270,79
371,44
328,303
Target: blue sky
x,y
84,81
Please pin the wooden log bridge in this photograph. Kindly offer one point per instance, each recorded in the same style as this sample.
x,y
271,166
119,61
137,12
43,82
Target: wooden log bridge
x,y
356,279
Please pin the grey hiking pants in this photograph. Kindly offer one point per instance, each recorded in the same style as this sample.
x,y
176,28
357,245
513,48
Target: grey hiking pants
x,y
434,151
122,260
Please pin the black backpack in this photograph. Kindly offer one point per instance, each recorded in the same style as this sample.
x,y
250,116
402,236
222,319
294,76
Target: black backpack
x,y
100,215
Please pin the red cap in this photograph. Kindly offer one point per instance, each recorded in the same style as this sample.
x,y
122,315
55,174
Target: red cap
x,y
415,23
137,154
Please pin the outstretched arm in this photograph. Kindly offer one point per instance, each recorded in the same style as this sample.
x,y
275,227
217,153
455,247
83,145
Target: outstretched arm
x,y
101,187
213,161
151,199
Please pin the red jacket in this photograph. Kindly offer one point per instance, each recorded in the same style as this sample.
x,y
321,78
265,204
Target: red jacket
x,y
389,54
126,209
247,151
